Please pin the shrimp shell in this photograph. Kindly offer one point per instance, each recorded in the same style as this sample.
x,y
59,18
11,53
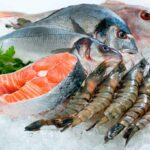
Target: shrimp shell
x,y
103,97
135,127
127,94
142,104
138,110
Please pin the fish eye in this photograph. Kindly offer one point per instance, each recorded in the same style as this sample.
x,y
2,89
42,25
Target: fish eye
x,y
122,35
104,48
145,15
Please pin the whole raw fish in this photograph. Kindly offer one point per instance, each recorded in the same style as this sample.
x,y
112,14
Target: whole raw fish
x,y
94,20
138,20
33,43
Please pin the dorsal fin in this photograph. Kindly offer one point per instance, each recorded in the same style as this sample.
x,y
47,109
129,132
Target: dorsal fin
x,y
77,27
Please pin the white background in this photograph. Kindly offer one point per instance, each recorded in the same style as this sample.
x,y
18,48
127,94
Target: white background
x,y
12,135
33,6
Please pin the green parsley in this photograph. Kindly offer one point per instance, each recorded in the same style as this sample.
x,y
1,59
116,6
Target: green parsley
x,y
8,63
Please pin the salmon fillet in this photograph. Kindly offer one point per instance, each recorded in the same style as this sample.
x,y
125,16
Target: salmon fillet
x,y
36,79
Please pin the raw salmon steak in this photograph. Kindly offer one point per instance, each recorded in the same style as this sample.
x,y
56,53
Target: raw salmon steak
x,y
48,81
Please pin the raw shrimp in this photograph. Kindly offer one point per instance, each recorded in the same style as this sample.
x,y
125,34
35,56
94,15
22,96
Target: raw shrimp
x,y
135,127
138,110
77,102
126,95
103,98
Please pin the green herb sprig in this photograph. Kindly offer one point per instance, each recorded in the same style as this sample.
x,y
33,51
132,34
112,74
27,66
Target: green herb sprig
x,y
8,63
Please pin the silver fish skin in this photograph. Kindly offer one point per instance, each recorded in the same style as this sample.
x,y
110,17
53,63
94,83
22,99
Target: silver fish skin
x,y
33,43
50,100
95,20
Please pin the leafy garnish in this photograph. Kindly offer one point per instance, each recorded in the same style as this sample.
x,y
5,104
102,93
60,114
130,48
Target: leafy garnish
x,y
8,63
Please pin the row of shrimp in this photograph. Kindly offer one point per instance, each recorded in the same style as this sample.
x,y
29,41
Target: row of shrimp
x,y
121,97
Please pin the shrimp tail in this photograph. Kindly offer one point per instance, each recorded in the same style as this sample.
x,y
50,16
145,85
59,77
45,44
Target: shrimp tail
x,y
113,131
129,133
35,126
59,123
92,126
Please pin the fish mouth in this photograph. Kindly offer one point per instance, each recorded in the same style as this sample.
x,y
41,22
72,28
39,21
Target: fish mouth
x,y
130,51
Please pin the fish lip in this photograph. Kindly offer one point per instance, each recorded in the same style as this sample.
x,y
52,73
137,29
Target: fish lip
x,y
130,51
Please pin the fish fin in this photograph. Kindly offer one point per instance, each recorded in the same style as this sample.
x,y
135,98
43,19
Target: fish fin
x,y
51,13
77,27
54,12
62,50
114,5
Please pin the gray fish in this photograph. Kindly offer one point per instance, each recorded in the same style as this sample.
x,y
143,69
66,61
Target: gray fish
x,y
93,20
33,43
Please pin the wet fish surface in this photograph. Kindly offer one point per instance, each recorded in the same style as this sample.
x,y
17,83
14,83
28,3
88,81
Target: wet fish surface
x,y
94,20
34,43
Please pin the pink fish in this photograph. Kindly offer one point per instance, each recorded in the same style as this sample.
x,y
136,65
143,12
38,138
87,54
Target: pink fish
x,y
138,20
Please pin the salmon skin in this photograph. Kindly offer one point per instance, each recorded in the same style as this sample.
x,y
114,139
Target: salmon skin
x,y
40,86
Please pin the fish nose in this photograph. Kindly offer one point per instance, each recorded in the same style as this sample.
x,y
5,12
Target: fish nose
x,y
131,47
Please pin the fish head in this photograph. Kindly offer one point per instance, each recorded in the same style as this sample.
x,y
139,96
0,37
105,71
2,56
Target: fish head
x,y
139,26
116,34
92,52
137,19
